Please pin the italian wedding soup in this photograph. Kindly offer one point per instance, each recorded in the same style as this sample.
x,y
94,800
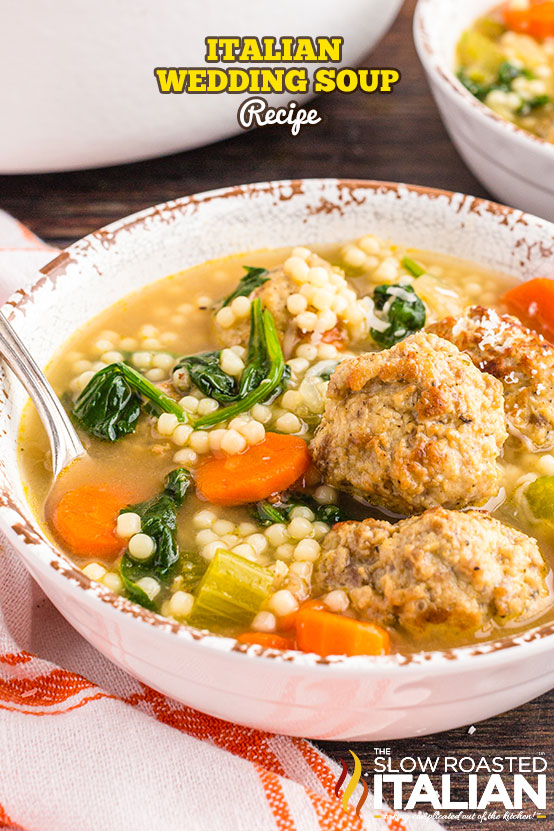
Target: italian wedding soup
x,y
506,59
342,451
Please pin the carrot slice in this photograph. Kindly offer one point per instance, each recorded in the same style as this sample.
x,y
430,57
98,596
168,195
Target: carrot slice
x,y
287,623
326,633
267,640
536,20
84,519
533,303
263,469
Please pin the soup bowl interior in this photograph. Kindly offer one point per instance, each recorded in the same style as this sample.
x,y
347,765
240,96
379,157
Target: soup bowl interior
x,y
515,165
294,693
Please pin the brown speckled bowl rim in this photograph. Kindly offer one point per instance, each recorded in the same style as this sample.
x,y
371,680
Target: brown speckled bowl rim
x,y
29,529
450,83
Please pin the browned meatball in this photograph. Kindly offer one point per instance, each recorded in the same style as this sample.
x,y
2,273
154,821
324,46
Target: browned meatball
x,y
412,427
520,358
459,568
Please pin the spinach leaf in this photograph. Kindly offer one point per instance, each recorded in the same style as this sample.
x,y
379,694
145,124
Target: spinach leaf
x,y
506,75
535,103
278,390
265,368
130,573
158,520
266,513
257,358
331,514
253,278
110,404
478,89
405,313
193,566
205,372
108,407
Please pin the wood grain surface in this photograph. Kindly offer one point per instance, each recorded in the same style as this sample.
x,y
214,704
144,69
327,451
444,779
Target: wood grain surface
x,y
395,137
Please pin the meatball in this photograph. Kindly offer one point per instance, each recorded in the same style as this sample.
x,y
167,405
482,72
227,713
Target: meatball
x,y
459,568
301,295
520,358
412,427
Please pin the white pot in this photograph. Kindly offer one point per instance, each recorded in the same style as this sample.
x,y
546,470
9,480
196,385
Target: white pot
x,y
78,89
347,698
516,166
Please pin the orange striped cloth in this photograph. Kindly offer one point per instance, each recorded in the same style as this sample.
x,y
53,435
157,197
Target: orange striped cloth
x,y
88,747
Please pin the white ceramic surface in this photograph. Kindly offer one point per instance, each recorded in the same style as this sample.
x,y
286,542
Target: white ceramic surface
x,y
350,698
516,166
77,84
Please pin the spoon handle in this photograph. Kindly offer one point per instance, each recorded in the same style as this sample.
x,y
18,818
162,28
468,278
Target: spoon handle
x,y
64,441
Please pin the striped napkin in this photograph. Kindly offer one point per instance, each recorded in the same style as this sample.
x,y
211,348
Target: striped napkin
x,y
88,747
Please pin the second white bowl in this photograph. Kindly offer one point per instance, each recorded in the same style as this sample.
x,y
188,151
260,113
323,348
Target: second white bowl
x,y
516,166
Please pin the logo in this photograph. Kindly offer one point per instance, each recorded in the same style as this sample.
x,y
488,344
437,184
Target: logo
x,y
351,787
391,818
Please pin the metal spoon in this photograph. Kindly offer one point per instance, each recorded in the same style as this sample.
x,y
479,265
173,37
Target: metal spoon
x,y
64,441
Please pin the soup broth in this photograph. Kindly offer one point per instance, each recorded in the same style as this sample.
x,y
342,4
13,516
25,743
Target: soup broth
x,y
506,59
181,316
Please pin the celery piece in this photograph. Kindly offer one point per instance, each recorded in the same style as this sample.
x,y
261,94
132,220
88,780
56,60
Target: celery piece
x,y
540,496
479,54
415,269
490,28
230,592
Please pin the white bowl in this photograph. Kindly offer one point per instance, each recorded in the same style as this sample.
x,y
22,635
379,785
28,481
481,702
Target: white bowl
x,y
86,94
348,698
516,166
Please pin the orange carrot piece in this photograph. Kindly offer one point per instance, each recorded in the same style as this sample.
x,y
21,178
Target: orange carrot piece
x,y
267,640
536,20
263,469
533,303
335,336
326,633
85,518
287,623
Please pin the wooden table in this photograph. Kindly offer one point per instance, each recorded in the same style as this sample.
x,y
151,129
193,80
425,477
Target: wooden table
x,y
395,137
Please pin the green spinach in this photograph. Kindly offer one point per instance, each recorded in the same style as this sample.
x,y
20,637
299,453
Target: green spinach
x,y
253,279
535,103
111,403
158,520
506,75
193,566
264,372
405,313
265,513
205,372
